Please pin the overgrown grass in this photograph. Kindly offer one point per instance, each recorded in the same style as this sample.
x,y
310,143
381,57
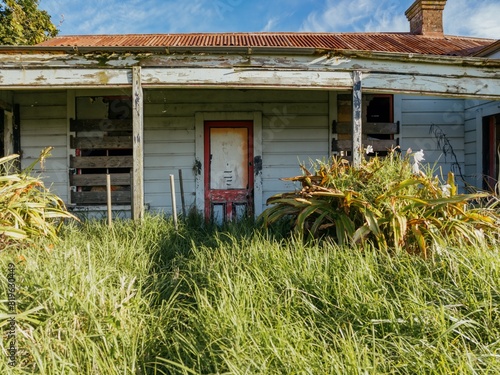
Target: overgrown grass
x,y
144,299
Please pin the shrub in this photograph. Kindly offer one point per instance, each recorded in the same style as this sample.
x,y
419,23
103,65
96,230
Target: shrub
x,y
28,210
388,201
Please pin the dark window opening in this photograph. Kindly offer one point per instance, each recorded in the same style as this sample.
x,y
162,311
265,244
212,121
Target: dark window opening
x,y
2,138
379,110
491,151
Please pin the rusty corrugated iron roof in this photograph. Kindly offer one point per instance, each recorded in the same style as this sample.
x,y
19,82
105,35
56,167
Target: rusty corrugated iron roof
x,y
380,42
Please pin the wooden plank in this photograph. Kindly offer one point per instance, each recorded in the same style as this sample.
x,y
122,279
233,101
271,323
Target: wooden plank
x,y
368,128
138,144
378,145
95,143
99,197
117,179
125,161
100,124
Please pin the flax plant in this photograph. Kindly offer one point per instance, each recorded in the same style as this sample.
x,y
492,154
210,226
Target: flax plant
x,y
387,201
29,211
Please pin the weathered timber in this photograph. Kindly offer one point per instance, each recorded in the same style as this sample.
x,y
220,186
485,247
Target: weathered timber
x,y
125,161
138,144
356,118
383,72
100,124
368,128
99,179
378,145
99,197
95,143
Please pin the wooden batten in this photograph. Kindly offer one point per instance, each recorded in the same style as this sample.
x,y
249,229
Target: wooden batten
x,y
102,125
117,179
118,142
99,197
101,161
368,128
379,145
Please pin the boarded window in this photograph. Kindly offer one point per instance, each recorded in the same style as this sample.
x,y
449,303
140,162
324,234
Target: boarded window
x,y
102,139
378,125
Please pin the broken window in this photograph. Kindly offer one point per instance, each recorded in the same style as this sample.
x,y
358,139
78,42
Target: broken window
x,y
102,139
378,125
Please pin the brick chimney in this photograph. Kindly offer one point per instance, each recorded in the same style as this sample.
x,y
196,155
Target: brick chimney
x,y
426,17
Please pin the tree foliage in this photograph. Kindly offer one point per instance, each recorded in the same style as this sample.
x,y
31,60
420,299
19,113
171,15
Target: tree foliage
x,y
23,23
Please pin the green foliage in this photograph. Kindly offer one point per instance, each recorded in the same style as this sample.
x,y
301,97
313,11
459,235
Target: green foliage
x,y
147,299
23,23
28,210
388,201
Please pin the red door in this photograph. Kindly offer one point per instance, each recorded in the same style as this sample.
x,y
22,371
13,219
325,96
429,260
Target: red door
x,y
229,170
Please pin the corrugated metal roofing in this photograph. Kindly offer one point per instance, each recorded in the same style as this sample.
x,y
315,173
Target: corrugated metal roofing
x,y
380,42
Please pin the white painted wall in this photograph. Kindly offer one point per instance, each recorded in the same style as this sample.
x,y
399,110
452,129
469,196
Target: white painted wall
x,y
43,124
418,114
294,129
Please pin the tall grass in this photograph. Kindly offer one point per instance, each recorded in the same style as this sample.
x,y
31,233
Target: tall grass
x,y
144,299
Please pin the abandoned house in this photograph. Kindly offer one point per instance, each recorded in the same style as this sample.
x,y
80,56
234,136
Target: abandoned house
x,y
235,112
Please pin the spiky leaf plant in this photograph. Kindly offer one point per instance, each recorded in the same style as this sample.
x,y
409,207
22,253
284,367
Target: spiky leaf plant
x,y
388,201
28,210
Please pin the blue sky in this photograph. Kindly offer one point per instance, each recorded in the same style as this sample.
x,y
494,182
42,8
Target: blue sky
x,y
478,18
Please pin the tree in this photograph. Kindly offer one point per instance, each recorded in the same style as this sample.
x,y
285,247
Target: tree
x,y
23,23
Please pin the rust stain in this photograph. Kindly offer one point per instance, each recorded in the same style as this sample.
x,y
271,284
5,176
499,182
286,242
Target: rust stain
x,y
102,77
382,42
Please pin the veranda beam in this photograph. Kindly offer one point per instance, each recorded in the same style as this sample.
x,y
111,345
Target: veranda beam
x,y
448,76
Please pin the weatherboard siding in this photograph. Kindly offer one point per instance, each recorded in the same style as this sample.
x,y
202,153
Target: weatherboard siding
x,y
43,119
475,110
294,130
418,114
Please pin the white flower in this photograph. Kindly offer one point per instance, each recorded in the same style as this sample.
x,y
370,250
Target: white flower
x,y
446,189
369,149
415,168
417,158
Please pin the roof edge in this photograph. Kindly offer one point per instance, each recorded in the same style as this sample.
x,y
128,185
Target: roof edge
x,y
276,51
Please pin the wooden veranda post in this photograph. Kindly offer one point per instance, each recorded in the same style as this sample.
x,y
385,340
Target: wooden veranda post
x,y
138,141
356,119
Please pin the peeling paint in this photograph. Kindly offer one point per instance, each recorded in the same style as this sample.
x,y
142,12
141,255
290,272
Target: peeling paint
x,y
257,162
197,167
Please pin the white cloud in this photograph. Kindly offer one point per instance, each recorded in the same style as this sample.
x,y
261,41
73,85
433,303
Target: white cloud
x,y
271,23
478,18
357,15
133,16
461,17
